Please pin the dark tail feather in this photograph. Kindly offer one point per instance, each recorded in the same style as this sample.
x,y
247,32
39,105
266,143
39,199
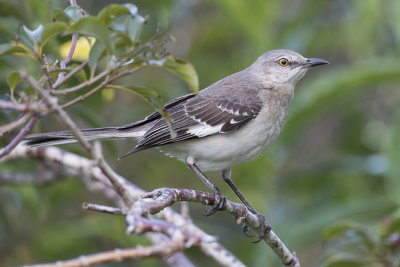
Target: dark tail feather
x,y
64,137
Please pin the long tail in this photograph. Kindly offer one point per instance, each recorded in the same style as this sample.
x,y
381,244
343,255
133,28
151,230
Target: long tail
x,y
64,137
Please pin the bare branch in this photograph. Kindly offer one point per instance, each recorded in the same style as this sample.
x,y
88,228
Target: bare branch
x,y
64,63
21,107
85,84
160,250
175,259
69,75
12,125
10,146
39,178
165,197
102,85
84,168
105,209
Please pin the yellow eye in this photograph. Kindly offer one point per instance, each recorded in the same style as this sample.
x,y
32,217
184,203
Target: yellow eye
x,y
283,62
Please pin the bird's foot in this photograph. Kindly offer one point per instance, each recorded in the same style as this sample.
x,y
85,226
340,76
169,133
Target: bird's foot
x,y
264,227
245,230
219,204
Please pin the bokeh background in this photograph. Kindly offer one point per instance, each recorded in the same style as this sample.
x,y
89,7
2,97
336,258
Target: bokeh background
x,y
336,160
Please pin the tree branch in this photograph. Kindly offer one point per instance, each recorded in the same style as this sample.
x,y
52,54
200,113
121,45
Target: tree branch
x,y
15,124
105,209
17,139
69,76
21,107
165,197
64,63
96,180
162,249
43,177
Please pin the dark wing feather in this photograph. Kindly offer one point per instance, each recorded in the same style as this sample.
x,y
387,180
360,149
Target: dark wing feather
x,y
199,117
155,115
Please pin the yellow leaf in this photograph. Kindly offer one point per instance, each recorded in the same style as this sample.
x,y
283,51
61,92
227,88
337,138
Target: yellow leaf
x,y
82,49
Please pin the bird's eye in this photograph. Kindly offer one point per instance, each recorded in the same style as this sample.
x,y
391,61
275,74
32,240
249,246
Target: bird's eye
x,y
283,62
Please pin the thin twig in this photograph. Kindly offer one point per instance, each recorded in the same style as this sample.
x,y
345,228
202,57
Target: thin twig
x,y
46,71
102,85
102,208
10,146
69,75
175,259
22,107
85,84
64,62
12,125
117,255
39,178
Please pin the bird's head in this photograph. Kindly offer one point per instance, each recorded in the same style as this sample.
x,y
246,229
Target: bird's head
x,y
284,67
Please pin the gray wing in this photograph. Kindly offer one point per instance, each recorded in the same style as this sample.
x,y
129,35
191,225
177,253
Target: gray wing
x,y
199,117
155,115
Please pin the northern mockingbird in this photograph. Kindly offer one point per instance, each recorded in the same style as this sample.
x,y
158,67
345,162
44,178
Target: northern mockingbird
x,y
228,123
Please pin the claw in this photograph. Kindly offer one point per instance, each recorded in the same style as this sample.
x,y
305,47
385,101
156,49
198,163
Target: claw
x,y
207,210
264,226
245,230
219,204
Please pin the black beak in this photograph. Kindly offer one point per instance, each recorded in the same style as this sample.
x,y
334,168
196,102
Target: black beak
x,y
312,62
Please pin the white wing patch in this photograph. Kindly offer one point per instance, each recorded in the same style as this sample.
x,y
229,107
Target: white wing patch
x,y
204,129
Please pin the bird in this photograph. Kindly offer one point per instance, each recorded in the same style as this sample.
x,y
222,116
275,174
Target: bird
x,y
228,123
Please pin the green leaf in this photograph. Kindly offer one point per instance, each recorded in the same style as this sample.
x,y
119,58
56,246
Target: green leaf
x,y
336,230
180,68
96,53
392,152
131,26
111,12
29,90
91,26
8,9
59,15
394,226
346,260
9,49
74,12
149,95
34,35
134,27
13,80
50,30
345,226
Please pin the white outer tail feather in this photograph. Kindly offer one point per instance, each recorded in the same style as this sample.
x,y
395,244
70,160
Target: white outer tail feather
x,y
65,137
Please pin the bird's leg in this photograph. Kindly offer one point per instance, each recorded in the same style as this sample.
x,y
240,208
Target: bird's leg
x,y
265,227
220,198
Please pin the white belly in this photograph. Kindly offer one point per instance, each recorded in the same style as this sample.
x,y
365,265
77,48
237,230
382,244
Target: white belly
x,y
223,151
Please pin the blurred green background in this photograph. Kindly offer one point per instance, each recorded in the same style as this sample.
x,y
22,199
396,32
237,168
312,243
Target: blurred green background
x,y
336,160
